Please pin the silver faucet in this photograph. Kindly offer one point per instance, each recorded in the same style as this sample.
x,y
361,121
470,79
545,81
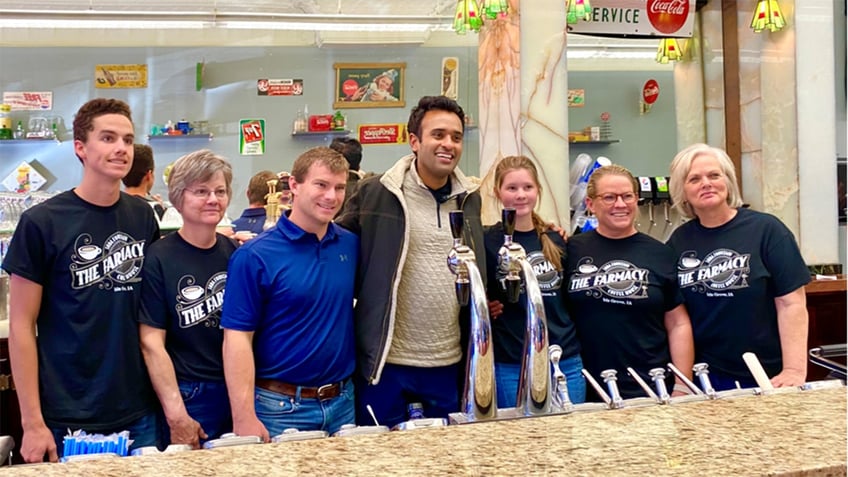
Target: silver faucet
x,y
560,398
642,384
658,376
610,378
701,371
534,383
479,399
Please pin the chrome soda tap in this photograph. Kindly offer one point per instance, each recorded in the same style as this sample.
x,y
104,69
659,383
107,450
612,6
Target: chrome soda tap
x,y
610,378
559,398
479,398
688,382
534,382
658,376
642,384
509,258
597,387
701,371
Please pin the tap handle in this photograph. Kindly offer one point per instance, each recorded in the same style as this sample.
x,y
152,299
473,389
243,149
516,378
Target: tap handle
x,y
508,220
463,291
512,287
457,223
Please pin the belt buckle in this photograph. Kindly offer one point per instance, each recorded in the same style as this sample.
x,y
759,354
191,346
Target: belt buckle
x,y
325,391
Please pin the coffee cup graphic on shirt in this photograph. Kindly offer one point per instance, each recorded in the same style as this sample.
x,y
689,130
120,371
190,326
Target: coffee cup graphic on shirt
x,y
89,252
192,292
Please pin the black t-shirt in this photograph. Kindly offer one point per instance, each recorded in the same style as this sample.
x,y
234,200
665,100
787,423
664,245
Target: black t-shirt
x,y
618,293
88,259
508,329
730,276
182,293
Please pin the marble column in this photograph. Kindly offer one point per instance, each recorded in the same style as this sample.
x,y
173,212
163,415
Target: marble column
x,y
523,100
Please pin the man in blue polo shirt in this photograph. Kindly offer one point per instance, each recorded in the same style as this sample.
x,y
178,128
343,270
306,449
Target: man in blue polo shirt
x,y
288,311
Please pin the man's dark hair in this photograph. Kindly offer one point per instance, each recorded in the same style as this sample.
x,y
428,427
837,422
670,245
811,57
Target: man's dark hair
x,y
432,103
142,164
84,119
257,189
350,148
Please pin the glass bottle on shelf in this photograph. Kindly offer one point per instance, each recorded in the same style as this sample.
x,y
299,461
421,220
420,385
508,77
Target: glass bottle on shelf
x,y
339,121
5,121
299,123
19,130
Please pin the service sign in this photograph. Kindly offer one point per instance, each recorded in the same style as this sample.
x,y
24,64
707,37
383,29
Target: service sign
x,y
382,134
649,18
28,100
279,87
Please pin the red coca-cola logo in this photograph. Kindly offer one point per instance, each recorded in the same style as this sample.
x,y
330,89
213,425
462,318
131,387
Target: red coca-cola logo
x,y
668,16
651,91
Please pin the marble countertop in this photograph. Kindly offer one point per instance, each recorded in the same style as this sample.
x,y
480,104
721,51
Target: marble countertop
x,y
799,434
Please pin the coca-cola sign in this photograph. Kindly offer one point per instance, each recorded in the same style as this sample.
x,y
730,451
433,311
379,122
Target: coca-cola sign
x,y
668,16
651,91
639,18
382,134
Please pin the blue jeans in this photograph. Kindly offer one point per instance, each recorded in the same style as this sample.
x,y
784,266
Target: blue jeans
x,y
437,389
144,431
279,412
207,403
507,374
723,382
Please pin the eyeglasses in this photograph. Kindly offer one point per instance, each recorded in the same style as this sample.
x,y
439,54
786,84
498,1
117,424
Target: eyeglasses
x,y
203,193
611,199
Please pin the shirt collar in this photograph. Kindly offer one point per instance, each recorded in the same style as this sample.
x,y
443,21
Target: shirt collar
x,y
293,232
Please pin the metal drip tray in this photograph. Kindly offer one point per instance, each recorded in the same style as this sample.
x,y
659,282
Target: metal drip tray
x,y
426,423
289,435
516,413
349,430
229,440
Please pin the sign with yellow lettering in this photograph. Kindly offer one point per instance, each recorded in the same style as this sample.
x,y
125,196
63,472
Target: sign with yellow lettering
x,y
649,18
120,76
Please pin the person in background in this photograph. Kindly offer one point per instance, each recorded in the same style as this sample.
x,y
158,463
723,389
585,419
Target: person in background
x,y
741,273
622,291
517,186
253,217
185,275
75,262
351,149
139,180
288,311
407,316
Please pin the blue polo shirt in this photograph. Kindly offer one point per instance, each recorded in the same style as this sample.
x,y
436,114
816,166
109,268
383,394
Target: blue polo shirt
x,y
296,294
251,220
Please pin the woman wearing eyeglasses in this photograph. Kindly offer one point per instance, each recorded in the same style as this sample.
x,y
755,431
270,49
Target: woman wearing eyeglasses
x,y
741,273
623,294
183,284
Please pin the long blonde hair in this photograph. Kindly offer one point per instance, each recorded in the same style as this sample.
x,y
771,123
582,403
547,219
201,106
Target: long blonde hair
x,y
550,250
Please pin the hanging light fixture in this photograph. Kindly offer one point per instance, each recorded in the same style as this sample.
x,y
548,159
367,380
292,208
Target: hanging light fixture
x,y
767,15
495,8
669,50
467,17
577,10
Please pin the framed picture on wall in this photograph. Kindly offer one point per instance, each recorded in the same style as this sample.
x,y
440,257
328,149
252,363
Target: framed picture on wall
x,y
369,85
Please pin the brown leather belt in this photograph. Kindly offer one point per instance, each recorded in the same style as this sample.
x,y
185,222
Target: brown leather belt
x,y
327,391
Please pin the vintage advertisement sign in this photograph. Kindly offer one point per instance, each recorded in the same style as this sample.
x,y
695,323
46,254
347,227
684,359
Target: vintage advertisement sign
x,y
382,134
120,76
651,91
279,87
29,100
576,98
252,137
649,18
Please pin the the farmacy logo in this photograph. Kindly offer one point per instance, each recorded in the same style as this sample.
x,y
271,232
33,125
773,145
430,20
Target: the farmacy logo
x,y
119,261
617,281
722,269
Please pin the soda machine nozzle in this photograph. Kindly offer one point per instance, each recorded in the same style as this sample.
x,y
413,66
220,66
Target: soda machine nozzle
x,y
560,396
702,373
479,398
642,384
610,378
509,256
658,377
682,377
597,387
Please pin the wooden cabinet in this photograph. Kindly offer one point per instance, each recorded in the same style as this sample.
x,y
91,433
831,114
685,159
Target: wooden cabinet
x,y
826,305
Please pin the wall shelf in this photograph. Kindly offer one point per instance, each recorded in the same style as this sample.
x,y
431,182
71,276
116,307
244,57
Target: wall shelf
x,y
178,137
589,143
29,141
332,132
